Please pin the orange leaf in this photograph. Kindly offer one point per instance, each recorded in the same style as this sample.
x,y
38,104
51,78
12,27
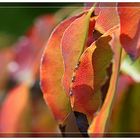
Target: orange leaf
x,y
99,122
107,16
13,108
86,94
73,44
130,28
51,73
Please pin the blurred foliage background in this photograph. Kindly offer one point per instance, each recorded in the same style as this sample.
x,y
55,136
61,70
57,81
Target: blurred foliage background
x,y
16,18
23,112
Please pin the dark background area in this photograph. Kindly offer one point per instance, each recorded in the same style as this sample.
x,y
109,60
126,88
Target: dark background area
x,y
16,18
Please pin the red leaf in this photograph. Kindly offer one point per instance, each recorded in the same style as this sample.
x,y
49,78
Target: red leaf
x,y
107,16
130,28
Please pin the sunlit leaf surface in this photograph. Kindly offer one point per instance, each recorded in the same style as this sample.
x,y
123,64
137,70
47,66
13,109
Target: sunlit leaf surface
x,y
73,45
52,71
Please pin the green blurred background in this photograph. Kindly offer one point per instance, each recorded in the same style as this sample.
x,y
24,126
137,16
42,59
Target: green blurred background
x,y
16,18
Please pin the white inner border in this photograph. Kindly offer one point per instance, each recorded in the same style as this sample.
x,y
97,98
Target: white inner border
x,y
53,1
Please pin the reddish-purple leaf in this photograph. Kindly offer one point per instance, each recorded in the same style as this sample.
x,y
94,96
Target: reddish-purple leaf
x,y
130,28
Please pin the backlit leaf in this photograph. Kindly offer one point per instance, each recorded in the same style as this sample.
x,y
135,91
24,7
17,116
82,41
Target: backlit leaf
x,y
99,122
107,16
73,44
51,73
90,76
130,28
